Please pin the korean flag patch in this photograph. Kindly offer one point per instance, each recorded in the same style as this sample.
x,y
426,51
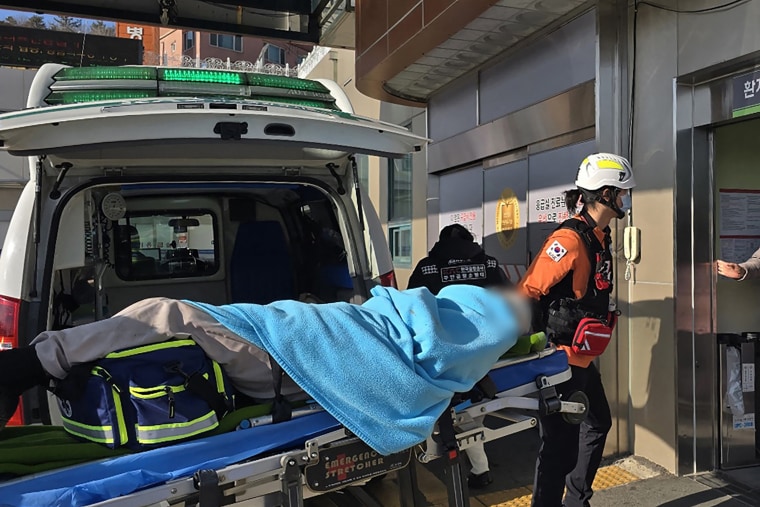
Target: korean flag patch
x,y
556,251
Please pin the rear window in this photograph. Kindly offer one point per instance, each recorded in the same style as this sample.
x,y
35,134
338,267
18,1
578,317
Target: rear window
x,y
176,244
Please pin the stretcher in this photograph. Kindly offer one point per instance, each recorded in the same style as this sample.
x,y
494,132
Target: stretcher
x,y
283,464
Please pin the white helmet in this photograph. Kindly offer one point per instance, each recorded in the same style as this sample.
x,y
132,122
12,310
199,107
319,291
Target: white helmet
x,y
604,170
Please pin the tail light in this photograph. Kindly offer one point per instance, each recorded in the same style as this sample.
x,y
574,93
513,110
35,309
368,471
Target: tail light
x,y
9,308
389,280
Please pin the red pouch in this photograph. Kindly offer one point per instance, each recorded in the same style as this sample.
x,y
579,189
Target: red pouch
x,y
593,336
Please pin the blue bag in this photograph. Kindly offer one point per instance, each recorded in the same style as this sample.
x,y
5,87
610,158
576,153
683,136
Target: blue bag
x,y
146,397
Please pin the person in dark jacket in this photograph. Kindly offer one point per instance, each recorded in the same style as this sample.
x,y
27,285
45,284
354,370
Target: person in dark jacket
x,y
457,259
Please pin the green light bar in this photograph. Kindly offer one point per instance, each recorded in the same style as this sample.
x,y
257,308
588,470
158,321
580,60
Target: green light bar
x,y
201,76
269,91
184,89
57,98
296,102
291,83
86,73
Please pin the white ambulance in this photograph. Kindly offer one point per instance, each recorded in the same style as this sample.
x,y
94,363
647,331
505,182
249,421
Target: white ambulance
x,y
209,185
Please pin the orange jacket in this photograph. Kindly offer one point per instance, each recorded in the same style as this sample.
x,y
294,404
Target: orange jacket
x,y
552,264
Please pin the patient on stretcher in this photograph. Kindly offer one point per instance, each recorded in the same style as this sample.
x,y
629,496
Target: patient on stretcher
x,y
386,369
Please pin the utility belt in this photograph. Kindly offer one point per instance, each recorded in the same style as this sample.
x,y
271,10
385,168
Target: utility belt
x,y
586,333
145,397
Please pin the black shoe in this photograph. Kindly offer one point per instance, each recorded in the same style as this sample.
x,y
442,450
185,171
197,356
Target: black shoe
x,y
479,481
20,370
8,405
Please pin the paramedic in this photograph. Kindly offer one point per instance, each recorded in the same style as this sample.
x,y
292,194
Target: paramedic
x,y
457,259
571,279
748,269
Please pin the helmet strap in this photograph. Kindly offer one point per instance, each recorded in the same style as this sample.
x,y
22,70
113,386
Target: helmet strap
x,y
612,204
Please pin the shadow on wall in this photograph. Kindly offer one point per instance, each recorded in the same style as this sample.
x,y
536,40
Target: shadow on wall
x,y
652,357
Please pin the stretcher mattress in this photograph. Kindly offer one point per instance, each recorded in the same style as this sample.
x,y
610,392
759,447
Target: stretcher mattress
x,y
101,480
513,373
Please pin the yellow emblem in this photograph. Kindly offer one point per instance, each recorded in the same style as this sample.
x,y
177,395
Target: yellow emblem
x,y
507,218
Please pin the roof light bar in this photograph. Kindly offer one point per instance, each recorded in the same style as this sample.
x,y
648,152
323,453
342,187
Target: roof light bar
x,y
77,97
291,83
296,102
291,93
185,89
90,84
202,76
97,73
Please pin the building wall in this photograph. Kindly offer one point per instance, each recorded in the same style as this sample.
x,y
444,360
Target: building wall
x,y
172,40
392,34
672,341
485,122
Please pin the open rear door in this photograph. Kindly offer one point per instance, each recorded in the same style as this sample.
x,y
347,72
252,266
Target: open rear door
x,y
198,132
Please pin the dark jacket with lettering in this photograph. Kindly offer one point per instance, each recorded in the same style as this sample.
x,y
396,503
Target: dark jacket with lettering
x,y
457,261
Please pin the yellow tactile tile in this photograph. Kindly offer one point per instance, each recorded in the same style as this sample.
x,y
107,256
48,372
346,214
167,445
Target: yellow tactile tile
x,y
606,477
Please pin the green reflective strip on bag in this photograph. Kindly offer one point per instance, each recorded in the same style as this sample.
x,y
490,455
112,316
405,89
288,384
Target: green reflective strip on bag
x,y
151,348
167,432
150,393
120,421
219,378
99,434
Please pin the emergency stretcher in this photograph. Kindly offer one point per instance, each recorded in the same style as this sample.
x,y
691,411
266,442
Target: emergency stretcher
x,y
283,464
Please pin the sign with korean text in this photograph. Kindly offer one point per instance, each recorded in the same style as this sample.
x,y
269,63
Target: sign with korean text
x,y
32,48
550,208
148,35
746,94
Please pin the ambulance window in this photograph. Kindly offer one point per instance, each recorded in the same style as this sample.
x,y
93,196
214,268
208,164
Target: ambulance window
x,y
155,245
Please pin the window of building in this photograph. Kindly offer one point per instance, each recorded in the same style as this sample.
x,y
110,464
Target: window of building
x,y
275,54
174,47
188,41
400,210
155,245
233,42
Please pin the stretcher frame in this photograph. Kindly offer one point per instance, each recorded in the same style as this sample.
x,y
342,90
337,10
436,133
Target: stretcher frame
x,y
279,480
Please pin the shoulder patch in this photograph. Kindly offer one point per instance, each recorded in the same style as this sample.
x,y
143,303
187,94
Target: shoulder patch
x,y
556,251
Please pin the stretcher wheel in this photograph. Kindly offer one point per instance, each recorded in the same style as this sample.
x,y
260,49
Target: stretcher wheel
x,y
576,397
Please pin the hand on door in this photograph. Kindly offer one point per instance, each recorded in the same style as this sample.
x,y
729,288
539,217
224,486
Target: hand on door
x,y
731,270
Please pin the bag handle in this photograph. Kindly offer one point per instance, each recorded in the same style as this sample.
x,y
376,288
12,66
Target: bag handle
x,y
204,389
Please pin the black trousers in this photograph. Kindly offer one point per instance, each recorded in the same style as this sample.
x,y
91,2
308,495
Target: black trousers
x,y
570,454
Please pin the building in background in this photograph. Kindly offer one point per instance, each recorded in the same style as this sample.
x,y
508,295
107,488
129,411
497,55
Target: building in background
x,y
185,47
148,35
395,187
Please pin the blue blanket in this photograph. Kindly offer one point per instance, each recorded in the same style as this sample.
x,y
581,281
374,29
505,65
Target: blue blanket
x,y
386,369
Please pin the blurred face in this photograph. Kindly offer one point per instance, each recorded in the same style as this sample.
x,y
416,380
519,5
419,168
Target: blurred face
x,y
521,307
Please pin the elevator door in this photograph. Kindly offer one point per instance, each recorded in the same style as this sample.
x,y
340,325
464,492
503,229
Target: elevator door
x,y
736,170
